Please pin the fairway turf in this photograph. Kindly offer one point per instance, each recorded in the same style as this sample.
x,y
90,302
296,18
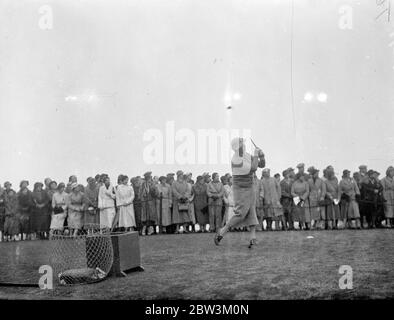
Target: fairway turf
x,y
283,265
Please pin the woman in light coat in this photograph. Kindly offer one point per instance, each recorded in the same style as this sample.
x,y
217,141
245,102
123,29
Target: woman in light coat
x,y
228,200
165,196
124,203
388,195
106,204
76,206
272,193
59,209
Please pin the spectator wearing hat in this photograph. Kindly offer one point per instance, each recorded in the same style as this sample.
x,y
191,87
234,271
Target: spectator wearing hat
x,y
40,218
106,203
357,178
189,179
136,183
8,187
156,180
25,205
362,177
124,202
301,170
380,200
215,192
300,189
97,178
181,204
71,180
271,198
192,216
228,199
12,225
92,213
119,181
59,209
348,193
370,191
170,178
148,195
333,214
51,191
363,171
76,209
376,175
2,212
286,199
388,195
164,203
291,172
317,194
47,182
201,203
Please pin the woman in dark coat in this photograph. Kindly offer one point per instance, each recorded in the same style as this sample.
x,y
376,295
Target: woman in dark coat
x,y
25,204
2,212
136,184
201,203
300,189
12,222
92,213
41,217
147,196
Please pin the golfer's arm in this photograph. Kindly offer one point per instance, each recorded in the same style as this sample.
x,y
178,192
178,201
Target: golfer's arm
x,y
255,163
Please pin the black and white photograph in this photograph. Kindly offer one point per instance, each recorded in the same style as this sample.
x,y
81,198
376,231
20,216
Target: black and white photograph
x,y
221,151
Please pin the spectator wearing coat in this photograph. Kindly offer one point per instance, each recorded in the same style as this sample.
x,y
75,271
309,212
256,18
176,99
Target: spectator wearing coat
x,y
317,194
349,193
271,198
215,194
388,195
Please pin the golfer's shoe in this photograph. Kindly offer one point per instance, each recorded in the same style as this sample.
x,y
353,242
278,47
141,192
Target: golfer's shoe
x,y
252,243
217,238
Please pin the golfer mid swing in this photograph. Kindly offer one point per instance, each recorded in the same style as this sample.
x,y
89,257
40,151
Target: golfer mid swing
x,y
243,166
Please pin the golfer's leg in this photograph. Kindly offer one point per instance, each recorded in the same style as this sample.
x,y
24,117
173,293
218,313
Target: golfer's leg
x,y
252,232
244,201
235,219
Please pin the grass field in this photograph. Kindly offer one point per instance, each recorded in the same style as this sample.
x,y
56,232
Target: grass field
x,y
284,265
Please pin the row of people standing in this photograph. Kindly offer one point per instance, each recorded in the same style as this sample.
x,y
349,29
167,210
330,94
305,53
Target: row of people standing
x,y
324,202
18,208
359,201
30,215
173,205
178,205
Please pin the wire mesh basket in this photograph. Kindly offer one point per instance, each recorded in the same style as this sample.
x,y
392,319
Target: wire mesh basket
x,y
84,258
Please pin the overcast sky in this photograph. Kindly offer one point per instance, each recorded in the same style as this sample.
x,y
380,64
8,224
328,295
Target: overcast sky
x,y
132,66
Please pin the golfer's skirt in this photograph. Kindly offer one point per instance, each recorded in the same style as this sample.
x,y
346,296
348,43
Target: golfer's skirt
x,y
244,207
